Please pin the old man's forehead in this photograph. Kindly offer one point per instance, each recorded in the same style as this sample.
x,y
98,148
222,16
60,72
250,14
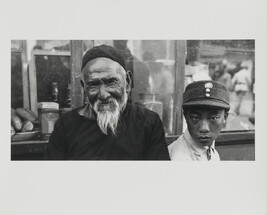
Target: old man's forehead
x,y
103,64
104,75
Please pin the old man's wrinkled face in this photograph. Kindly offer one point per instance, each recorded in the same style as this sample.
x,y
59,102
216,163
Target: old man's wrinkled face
x,y
204,123
105,86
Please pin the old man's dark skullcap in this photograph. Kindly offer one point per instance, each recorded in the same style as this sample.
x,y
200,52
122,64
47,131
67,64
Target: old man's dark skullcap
x,y
104,51
206,93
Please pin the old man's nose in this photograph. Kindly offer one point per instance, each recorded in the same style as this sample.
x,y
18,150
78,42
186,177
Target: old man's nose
x,y
103,93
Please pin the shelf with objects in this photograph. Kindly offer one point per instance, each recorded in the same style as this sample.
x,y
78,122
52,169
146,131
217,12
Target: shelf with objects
x,y
49,72
42,69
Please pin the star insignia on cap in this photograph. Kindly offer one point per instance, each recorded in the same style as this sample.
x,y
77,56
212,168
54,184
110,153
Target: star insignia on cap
x,y
208,85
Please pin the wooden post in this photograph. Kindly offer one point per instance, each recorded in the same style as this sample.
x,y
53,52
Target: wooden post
x,y
33,84
76,64
25,75
179,86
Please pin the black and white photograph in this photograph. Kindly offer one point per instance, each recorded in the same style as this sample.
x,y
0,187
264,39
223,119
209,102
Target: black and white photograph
x,y
133,107
133,100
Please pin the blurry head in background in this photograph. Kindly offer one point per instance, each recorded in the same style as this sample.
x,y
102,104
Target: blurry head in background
x,y
120,44
244,65
148,56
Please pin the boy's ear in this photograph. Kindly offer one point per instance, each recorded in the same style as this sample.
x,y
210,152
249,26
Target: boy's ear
x,y
225,117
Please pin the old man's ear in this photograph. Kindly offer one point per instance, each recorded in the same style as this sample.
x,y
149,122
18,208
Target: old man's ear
x,y
82,83
129,81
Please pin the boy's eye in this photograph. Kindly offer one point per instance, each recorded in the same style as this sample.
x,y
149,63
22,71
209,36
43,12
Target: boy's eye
x,y
214,118
194,117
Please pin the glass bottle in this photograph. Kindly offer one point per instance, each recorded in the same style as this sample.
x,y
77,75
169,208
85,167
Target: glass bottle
x,y
54,96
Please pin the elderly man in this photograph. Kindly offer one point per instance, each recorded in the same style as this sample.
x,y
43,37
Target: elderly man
x,y
206,106
107,127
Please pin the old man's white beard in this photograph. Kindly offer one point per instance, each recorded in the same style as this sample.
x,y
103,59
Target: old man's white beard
x,y
108,117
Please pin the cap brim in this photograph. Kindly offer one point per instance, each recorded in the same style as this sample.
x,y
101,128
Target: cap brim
x,y
207,103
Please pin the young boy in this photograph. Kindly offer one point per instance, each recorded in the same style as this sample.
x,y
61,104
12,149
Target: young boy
x,y
206,106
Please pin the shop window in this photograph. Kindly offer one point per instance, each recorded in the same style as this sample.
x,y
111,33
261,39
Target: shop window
x,y
49,72
53,79
52,64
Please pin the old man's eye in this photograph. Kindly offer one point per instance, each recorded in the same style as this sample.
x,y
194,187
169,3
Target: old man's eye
x,y
92,86
112,82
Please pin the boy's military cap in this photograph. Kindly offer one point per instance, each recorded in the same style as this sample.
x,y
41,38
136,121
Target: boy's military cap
x,y
206,93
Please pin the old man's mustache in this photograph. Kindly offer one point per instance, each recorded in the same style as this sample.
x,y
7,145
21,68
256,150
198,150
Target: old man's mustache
x,y
108,113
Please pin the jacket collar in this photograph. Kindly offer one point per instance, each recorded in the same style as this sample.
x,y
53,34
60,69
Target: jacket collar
x,y
87,111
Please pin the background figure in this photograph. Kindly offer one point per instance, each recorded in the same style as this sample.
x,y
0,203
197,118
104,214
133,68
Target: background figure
x,y
139,72
213,71
224,76
162,83
241,82
201,72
